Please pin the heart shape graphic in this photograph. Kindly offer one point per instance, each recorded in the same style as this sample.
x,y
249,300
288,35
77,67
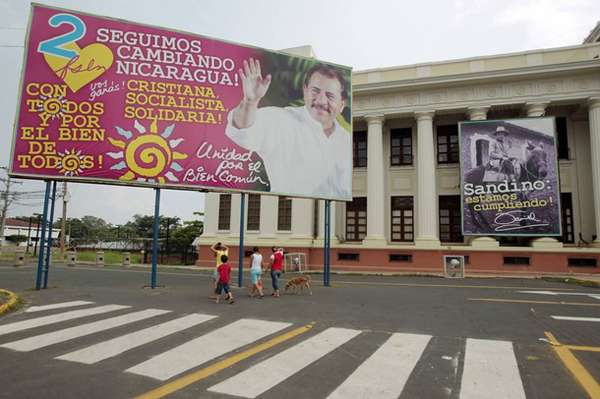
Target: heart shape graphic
x,y
90,62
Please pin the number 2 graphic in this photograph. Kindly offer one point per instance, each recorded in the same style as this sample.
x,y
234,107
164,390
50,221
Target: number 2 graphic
x,y
55,45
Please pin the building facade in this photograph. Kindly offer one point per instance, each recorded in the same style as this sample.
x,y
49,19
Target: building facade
x,y
31,230
406,210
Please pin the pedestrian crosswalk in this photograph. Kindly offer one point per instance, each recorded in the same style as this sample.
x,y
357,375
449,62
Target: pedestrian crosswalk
x,y
489,368
251,383
384,374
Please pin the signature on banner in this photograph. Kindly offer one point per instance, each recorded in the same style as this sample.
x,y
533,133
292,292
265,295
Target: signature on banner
x,y
517,220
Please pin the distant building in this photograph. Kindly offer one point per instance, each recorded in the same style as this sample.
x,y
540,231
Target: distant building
x,y
406,212
22,228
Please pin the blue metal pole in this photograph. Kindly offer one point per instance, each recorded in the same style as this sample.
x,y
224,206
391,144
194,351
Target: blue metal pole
x,y
155,249
241,257
327,261
38,284
48,253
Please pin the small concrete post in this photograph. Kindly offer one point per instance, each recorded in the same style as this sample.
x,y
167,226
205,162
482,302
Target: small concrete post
x,y
71,258
100,258
126,259
19,258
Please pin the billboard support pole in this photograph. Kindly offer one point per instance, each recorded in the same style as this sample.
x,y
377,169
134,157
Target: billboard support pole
x,y
49,250
155,244
327,249
241,257
38,284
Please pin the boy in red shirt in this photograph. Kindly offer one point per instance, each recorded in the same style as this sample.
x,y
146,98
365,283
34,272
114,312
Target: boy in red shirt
x,y
224,271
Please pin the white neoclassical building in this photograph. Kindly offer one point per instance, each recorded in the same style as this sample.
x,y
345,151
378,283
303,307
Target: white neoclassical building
x,y
406,211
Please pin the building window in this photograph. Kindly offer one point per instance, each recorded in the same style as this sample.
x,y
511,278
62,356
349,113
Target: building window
x,y
517,260
284,214
356,219
253,212
401,147
450,219
360,149
225,212
402,219
400,258
562,140
447,144
566,204
583,262
347,256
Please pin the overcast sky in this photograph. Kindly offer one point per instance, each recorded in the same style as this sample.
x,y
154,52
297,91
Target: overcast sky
x,y
360,34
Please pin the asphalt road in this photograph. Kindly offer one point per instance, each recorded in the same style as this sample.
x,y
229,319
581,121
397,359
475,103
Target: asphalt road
x,y
437,338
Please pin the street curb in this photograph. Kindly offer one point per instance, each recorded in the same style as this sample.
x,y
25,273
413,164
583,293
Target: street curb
x,y
13,299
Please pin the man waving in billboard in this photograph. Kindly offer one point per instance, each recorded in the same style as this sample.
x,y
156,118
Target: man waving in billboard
x,y
305,149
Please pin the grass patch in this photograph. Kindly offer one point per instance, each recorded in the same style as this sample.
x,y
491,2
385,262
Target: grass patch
x,y
570,280
10,303
110,257
18,304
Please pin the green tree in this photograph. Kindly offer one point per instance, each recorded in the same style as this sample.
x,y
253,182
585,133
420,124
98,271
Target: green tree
x,y
190,230
143,225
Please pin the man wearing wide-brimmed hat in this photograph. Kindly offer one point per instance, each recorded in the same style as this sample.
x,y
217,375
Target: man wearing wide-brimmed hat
x,y
498,149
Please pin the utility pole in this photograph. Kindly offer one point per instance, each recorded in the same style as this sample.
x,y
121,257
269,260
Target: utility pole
x,y
63,226
5,205
4,210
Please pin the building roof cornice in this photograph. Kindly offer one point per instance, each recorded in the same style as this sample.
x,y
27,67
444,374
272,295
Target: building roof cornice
x,y
503,74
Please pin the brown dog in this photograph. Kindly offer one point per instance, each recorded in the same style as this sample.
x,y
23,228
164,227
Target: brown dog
x,y
298,282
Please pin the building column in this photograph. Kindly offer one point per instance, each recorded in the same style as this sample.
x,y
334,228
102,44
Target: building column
x,y
211,223
537,109
269,210
427,209
320,240
594,115
480,114
302,221
375,182
477,113
236,213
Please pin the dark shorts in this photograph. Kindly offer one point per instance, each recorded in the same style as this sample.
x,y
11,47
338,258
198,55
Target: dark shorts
x,y
223,286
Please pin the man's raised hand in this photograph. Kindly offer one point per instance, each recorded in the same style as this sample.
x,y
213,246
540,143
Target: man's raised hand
x,y
255,86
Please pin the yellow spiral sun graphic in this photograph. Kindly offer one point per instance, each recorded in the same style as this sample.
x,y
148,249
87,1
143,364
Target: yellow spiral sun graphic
x,y
147,157
53,107
153,151
70,163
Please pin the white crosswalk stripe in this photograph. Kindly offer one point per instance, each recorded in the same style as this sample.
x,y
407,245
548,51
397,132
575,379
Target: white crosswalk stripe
x,y
57,318
116,346
490,371
56,337
57,306
265,375
489,368
571,318
206,348
385,373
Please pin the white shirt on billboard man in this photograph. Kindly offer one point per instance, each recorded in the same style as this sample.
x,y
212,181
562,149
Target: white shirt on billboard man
x,y
305,150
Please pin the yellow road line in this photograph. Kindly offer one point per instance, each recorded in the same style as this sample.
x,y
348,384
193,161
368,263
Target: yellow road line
x,y
341,282
583,348
538,302
576,368
223,364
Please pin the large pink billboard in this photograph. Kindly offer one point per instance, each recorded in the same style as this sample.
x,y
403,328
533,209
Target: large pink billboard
x,y
108,101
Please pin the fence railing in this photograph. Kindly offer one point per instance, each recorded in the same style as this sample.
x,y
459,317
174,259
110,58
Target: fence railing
x,y
168,252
